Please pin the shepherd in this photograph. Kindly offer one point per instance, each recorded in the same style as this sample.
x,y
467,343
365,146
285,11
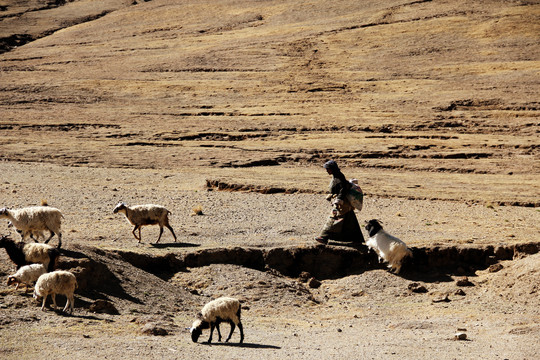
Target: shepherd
x,y
342,224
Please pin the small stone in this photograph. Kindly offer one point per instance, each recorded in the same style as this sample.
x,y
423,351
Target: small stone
x,y
460,292
417,288
314,283
464,281
304,276
495,268
460,336
103,307
442,298
153,329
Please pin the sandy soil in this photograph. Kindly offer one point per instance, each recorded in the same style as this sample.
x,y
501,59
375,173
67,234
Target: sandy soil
x,y
432,105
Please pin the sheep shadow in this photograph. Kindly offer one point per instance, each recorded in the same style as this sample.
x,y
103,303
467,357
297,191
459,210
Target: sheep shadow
x,y
174,245
243,345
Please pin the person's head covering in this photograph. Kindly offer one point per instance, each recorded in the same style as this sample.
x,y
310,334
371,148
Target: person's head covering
x,y
331,165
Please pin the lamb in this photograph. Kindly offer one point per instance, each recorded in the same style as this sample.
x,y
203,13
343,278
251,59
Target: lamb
x,y
23,254
26,275
141,215
389,248
35,218
56,282
212,314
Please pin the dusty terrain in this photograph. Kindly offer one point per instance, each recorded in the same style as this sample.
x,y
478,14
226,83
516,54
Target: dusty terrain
x,y
231,107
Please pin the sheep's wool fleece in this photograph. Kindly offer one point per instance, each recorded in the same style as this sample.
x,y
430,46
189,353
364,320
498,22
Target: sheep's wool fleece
x,y
36,217
29,273
139,213
58,282
224,308
37,253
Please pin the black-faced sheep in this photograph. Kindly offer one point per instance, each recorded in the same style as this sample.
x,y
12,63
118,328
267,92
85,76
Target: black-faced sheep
x,y
56,282
27,275
35,218
141,215
23,254
223,309
389,248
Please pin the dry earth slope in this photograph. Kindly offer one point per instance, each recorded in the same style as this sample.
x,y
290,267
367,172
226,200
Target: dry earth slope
x,y
432,104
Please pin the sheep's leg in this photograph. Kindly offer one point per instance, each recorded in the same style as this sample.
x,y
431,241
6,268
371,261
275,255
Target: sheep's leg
x,y
59,241
232,329
17,286
135,235
241,328
43,304
172,231
218,332
69,304
212,326
160,233
50,237
53,295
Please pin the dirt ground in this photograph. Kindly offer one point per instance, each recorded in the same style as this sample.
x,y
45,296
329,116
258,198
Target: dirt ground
x,y
231,108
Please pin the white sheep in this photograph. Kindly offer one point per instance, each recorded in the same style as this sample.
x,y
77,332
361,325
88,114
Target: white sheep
x,y
56,282
389,248
212,314
141,215
23,254
26,275
35,218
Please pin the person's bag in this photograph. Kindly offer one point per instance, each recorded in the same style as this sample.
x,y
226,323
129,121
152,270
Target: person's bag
x,y
355,195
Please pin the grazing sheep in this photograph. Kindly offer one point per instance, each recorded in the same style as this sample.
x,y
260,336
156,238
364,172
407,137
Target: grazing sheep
x,y
26,275
141,215
23,254
35,218
212,314
56,282
389,248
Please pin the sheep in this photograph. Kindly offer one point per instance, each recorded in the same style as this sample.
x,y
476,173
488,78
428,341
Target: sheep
x,y
35,218
56,282
389,248
212,314
141,215
23,254
26,275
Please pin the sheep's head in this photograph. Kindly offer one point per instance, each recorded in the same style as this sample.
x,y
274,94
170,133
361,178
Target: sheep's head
x,y
3,212
12,280
373,226
197,328
121,206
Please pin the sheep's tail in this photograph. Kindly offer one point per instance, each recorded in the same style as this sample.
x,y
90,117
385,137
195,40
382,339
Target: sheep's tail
x,y
53,255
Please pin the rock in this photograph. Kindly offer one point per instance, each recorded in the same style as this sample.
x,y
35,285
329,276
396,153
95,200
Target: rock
x,y
460,336
103,307
441,298
153,329
460,292
464,281
304,276
495,268
417,288
314,283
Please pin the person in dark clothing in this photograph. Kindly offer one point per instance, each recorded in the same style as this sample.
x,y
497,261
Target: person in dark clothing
x,y
342,224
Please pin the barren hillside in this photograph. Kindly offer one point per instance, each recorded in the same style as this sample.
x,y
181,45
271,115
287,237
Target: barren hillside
x,y
231,107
